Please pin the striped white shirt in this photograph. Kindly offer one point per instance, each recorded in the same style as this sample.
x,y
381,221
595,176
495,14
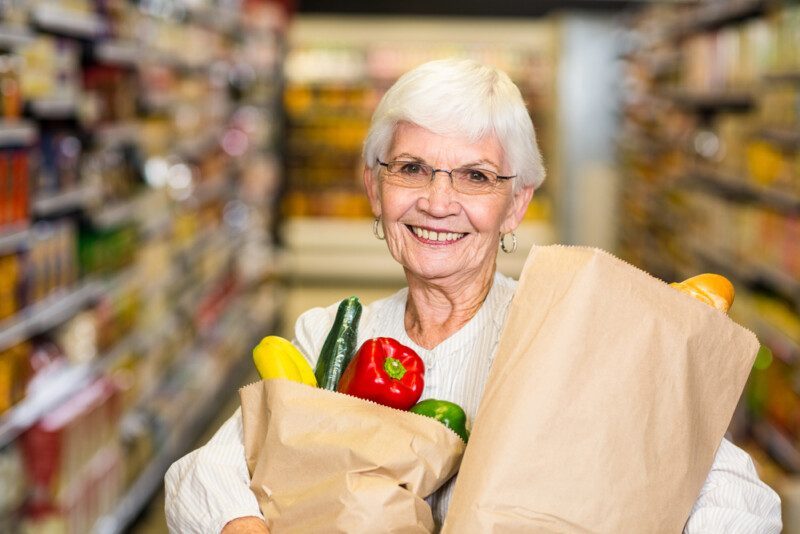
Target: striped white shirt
x,y
210,486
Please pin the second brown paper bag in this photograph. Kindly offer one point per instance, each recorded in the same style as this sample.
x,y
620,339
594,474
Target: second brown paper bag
x,y
608,397
322,461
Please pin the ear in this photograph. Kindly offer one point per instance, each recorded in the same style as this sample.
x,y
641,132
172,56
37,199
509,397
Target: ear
x,y
517,209
372,185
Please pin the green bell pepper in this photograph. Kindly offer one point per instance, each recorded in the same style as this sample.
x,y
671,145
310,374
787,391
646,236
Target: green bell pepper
x,y
449,414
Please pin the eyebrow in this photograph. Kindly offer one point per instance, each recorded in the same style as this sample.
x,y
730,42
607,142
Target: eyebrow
x,y
418,159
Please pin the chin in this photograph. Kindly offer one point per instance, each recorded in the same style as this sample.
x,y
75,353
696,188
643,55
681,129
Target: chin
x,y
434,270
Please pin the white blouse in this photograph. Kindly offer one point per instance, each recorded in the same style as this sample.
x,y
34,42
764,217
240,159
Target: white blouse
x,y
209,487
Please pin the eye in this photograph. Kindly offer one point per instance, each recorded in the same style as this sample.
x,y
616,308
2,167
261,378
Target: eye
x,y
475,175
412,169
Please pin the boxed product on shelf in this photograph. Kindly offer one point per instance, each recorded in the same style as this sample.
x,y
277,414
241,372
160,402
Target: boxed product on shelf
x,y
112,93
73,462
51,70
59,162
106,250
14,374
10,89
51,261
15,188
14,488
43,266
58,448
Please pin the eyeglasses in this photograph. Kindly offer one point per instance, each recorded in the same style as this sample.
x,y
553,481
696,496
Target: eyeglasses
x,y
466,180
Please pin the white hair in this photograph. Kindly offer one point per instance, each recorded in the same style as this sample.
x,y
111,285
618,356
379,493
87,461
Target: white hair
x,y
459,97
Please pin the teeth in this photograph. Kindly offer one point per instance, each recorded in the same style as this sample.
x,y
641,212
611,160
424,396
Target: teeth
x,y
436,236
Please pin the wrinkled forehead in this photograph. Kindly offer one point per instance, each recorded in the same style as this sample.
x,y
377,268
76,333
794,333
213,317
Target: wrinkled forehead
x,y
450,149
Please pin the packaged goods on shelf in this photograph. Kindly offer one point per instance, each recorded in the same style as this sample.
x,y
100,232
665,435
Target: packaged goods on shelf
x,y
711,158
42,267
121,201
15,187
72,461
332,89
14,374
14,488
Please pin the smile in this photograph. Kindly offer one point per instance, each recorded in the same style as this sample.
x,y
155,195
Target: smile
x,y
433,236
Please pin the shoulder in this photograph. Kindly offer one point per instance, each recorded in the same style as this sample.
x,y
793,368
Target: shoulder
x,y
504,288
505,283
313,325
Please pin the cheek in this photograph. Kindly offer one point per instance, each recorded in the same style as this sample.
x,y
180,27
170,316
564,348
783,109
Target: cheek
x,y
489,218
394,203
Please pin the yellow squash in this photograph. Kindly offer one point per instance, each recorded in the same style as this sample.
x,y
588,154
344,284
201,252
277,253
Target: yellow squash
x,y
713,289
276,357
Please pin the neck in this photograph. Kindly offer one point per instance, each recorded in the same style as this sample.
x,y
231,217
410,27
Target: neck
x,y
437,309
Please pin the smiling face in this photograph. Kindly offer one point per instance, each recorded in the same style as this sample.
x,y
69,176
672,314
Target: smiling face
x,y
435,232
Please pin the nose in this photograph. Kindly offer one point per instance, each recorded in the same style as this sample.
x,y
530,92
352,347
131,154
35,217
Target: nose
x,y
438,198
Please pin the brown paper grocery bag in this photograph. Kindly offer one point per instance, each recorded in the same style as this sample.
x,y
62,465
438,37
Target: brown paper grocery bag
x,y
321,461
607,400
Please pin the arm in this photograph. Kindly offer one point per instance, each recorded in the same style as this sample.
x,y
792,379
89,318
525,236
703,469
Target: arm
x,y
209,487
733,500
246,525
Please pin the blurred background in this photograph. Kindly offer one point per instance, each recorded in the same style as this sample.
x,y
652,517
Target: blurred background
x,y
179,178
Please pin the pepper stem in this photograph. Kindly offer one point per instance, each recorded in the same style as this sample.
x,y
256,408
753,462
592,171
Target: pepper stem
x,y
394,368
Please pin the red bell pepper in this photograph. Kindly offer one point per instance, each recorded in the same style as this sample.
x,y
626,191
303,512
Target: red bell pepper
x,y
385,371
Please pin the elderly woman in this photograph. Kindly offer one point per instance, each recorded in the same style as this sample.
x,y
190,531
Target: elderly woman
x,y
451,165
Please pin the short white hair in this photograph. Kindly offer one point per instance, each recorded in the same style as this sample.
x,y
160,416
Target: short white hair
x,y
459,97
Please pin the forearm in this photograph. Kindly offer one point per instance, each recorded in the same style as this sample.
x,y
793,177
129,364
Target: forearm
x,y
733,499
210,487
246,525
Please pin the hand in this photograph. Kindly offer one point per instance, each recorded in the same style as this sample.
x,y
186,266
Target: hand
x,y
246,525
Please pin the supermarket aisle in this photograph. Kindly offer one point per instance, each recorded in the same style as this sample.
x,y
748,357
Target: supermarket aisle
x,y
148,238
152,520
138,164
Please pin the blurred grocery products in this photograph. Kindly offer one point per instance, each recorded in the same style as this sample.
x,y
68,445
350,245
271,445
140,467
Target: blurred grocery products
x,y
337,72
138,179
710,151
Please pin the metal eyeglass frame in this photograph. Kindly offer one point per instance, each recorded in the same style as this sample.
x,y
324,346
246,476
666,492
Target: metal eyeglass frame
x,y
449,173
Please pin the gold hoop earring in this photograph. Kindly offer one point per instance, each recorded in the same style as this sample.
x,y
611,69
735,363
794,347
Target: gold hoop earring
x,y
513,243
375,225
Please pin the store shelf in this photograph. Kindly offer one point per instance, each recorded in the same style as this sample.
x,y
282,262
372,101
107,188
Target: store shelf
x,y
72,200
782,346
194,147
13,238
54,108
116,52
117,213
17,133
152,477
47,314
61,384
13,36
787,138
710,101
64,21
210,191
787,76
740,190
715,14
117,133
778,445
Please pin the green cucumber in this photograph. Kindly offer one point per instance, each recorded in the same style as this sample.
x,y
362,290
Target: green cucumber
x,y
340,345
